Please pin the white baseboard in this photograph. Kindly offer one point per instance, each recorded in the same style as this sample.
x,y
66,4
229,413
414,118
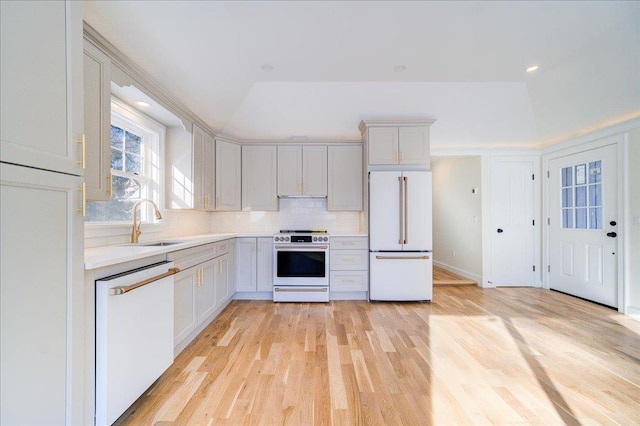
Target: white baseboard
x,y
348,295
253,295
633,312
462,272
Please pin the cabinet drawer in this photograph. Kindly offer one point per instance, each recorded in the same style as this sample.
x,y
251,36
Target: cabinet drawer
x,y
349,281
192,256
223,247
350,243
348,260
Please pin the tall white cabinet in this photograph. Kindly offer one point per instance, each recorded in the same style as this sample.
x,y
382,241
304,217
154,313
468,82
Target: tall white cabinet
x,y
41,239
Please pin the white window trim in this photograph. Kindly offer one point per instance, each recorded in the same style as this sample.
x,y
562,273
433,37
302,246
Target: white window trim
x,y
129,114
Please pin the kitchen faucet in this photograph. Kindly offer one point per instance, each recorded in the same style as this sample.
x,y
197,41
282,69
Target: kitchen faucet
x,y
135,232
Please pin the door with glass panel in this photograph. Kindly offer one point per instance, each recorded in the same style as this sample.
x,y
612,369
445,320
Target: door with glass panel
x,y
583,225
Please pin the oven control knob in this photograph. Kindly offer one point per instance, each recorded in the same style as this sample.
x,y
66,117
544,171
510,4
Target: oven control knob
x,y
326,238
286,238
315,238
277,238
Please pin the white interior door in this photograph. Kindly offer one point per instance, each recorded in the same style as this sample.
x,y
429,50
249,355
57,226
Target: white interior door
x,y
583,225
512,213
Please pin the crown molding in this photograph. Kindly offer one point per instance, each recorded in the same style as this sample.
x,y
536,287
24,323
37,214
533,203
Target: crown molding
x,y
144,81
365,124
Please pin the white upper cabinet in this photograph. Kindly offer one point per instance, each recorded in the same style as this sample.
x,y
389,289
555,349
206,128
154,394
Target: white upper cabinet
x,y
97,122
228,175
345,178
302,171
289,170
413,145
190,169
314,171
41,85
405,143
259,178
383,145
203,164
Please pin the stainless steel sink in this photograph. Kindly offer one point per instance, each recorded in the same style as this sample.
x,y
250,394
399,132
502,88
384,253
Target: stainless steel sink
x,y
161,243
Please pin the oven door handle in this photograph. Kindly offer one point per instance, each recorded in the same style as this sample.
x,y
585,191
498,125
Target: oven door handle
x,y
298,247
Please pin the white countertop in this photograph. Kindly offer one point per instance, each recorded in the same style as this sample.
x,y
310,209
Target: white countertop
x,y
99,257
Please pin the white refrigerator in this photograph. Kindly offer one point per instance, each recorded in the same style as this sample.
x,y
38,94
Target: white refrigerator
x,y
400,242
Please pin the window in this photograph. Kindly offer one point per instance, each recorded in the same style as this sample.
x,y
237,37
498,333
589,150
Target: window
x,y
582,196
135,167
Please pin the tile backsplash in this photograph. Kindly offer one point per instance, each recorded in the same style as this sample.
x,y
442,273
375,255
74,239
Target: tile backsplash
x,y
294,213
174,223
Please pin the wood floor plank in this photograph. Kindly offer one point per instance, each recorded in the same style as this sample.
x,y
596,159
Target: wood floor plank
x,y
471,356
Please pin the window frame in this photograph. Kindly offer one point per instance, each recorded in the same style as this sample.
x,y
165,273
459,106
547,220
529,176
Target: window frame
x,y
126,116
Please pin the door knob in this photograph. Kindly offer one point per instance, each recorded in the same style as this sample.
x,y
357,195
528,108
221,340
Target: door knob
x,y
500,231
612,234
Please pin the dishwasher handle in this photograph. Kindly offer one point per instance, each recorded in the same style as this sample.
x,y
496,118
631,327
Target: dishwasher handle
x,y
116,291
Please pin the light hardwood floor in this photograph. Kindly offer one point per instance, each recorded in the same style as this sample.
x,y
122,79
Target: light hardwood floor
x,y
444,277
472,356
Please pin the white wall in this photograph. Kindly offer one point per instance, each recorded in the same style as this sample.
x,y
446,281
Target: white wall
x,y
457,215
295,213
632,258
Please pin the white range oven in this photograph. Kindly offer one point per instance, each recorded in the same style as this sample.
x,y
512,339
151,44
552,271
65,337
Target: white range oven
x,y
301,266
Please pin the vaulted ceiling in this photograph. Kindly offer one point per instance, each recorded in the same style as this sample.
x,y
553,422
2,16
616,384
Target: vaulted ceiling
x,y
333,64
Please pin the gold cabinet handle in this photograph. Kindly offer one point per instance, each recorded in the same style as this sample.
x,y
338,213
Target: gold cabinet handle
x,y
110,184
83,207
83,147
217,201
396,155
400,157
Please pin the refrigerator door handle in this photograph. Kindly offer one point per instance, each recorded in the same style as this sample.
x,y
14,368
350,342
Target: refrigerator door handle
x,y
406,210
400,206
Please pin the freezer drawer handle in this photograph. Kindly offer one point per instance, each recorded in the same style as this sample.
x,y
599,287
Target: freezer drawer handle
x,y
301,290
402,258
116,291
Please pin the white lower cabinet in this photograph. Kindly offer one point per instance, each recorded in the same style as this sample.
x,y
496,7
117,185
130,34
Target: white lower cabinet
x,y
349,265
41,297
254,265
185,319
202,288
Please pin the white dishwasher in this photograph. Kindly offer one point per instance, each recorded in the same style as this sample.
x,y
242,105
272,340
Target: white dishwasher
x,y
134,336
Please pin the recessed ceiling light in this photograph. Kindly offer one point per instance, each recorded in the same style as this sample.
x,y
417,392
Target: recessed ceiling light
x,y
267,68
142,104
400,68
532,68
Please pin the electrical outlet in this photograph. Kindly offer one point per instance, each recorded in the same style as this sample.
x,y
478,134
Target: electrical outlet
x,y
453,253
